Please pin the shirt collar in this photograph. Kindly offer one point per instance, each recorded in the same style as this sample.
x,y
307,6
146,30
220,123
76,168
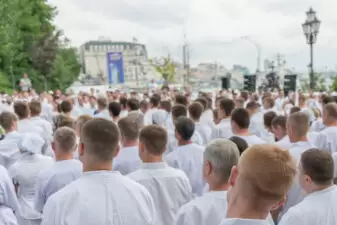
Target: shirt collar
x,y
317,193
154,166
237,221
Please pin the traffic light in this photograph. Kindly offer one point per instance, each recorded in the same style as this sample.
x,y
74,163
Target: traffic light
x,y
289,83
249,83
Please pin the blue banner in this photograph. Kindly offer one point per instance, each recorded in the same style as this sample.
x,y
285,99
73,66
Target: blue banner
x,y
115,67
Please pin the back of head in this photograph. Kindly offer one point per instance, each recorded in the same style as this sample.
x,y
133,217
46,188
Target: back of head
x,y
269,102
154,139
80,121
129,128
179,110
100,139
222,155
115,108
295,109
181,99
330,112
268,118
102,103
241,118
35,108
144,105
318,165
184,127
227,106
203,101
64,121
298,124
240,143
7,120
154,101
138,117
166,105
65,140
280,121
252,106
265,174
133,104
66,106
21,109
195,110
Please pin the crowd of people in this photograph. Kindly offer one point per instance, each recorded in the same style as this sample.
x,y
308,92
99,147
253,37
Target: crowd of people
x,y
162,158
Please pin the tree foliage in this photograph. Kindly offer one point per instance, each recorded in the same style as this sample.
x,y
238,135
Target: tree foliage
x,y
30,43
334,84
166,68
319,82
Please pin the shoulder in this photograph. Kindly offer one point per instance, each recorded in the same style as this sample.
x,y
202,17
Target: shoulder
x,y
192,208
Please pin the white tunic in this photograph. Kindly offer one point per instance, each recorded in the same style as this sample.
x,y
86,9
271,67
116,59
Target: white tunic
x,y
189,158
284,143
222,130
127,160
256,125
327,139
252,139
296,193
169,187
103,114
204,131
207,118
172,142
24,173
9,149
7,193
55,178
318,208
235,221
100,197
7,216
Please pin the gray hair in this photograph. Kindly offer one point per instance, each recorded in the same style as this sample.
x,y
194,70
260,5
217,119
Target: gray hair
x,y
139,117
222,155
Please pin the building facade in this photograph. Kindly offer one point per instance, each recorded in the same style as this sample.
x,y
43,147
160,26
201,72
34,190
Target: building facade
x,y
137,68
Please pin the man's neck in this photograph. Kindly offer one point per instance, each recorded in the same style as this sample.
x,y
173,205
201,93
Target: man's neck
x,y
299,139
242,209
153,159
321,188
63,157
130,144
218,187
243,132
91,167
182,143
331,124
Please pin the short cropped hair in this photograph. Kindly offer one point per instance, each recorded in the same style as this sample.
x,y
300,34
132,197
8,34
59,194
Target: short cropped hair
x,y
299,123
330,110
227,105
154,100
35,107
66,106
318,165
223,155
7,119
181,99
268,118
270,101
280,121
195,110
295,109
81,120
66,122
21,109
241,118
138,117
100,138
129,128
179,110
185,127
115,108
166,105
203,101
133,104
102,102
266,173
240,143
154,138
65,138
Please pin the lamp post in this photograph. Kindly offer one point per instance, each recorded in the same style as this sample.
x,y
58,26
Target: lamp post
x,y
310,29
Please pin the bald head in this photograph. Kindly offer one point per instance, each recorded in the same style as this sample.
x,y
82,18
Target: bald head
x,y
265,172
100,139
65,140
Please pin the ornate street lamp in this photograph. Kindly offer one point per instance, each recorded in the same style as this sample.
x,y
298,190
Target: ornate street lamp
x,y
310,29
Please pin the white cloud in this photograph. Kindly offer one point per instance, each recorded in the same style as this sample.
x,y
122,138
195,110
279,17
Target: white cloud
x,y
213,27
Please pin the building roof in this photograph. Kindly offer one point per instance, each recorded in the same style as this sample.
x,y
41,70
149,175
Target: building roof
x,y
107,42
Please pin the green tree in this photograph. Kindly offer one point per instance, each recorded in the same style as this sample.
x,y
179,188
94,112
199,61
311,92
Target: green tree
x,y
30,43
166,68
334,84
319,82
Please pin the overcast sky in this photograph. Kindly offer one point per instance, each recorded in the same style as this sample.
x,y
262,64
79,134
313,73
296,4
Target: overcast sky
x,y
213,28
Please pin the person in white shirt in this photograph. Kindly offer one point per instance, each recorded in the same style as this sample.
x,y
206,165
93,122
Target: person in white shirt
x,y
256,125
279,126
79,123
297,128
132,105
154,103
64,171
124,110
224,128
258,184
114,110
10,140
169,187
100,195
188,156
268,105
327,138
128,160
240,123
24,174
195,110
102,108
316,177
207,117
219,158
9,205
267,133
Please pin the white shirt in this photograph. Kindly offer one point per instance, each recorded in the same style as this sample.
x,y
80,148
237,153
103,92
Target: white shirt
x,y
148,116
222,130
205,210
24,173
127,160
236,221
172,142
284,143
256,125
9,149
103,114
100,197
27,126
204,131
207,118
318,208
327,139
296,192
44,124
252,140
7,193
55,178
189,158
169,188
7,216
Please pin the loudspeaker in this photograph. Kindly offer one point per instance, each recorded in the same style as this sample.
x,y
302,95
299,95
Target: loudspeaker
x,y
225,83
